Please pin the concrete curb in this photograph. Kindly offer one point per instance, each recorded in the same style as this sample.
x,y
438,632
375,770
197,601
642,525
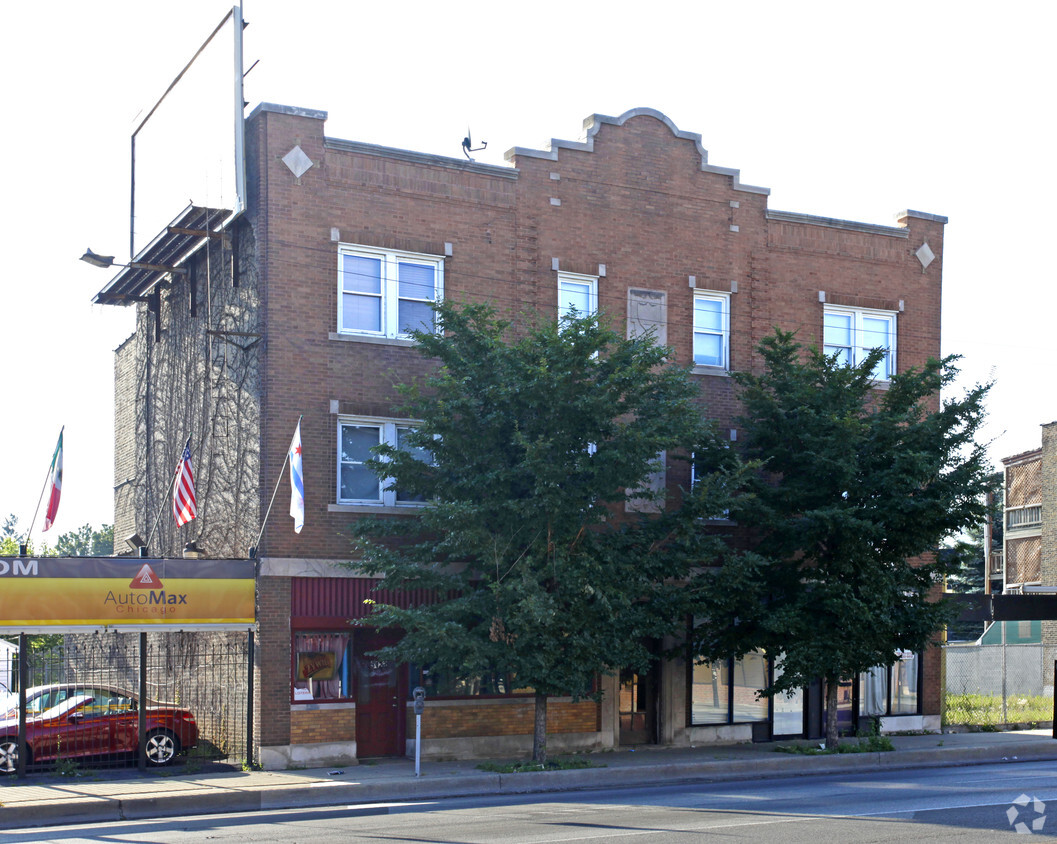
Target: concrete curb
x,y
219,799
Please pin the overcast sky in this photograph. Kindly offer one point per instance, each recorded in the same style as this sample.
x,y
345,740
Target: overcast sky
x,y
848,110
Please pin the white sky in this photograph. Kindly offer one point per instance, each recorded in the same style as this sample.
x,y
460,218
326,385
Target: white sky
x,y
842,109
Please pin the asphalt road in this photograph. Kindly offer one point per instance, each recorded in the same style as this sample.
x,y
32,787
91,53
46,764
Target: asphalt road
x,y
964,804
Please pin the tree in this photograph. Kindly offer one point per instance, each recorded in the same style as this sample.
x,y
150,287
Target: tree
x,y
9,527
527,449
86,542
860,484
965,559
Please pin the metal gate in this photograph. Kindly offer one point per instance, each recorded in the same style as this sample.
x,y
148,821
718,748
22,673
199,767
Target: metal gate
x,y
206,673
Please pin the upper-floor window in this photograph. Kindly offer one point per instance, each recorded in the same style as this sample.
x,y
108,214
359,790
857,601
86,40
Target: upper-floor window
x,y
577,293
851,333
357,484
712,329
387,293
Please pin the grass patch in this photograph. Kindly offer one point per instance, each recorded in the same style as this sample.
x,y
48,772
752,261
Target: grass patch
x,y
986,710
528,767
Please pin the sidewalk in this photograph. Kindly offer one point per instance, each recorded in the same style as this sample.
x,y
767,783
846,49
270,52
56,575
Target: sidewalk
x,y
106,796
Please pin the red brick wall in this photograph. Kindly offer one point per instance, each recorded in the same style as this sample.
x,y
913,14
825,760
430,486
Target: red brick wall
x,y
503,718
273,677
638,201
316,726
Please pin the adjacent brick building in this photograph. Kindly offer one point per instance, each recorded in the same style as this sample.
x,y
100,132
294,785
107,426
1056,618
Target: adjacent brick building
x,y
299,308
1029,546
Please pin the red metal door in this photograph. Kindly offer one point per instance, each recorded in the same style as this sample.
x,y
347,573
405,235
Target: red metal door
x,y
380,698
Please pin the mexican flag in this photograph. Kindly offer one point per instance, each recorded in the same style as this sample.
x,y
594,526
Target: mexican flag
x,y
54,485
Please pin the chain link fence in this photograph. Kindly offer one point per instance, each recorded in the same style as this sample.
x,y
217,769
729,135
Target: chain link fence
x,y
993,686
203,672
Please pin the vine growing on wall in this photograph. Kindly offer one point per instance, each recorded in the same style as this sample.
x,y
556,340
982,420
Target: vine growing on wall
x,y
198,378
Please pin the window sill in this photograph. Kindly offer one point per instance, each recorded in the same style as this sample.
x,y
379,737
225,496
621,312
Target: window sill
x,y
311,706
375,509
710,370
405,342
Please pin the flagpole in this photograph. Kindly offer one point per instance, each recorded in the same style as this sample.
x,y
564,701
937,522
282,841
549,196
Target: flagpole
x,y
278,481
40,497
168,490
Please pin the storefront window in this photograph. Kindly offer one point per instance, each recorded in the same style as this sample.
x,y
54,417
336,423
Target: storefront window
x,y
902,677
873,691
487,684
788,710
321,667
905,684
711,693
728,692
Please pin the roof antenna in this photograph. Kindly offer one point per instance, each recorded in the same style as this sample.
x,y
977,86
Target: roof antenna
x,y
468,147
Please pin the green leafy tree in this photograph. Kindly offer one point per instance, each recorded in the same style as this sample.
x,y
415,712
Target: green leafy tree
x,y
965,560
526,450
9,527
86,542
10,539
860,484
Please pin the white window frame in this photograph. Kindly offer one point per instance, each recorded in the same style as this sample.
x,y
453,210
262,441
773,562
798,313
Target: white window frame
x,y
387,433
723,333
390,286
589,281
858,351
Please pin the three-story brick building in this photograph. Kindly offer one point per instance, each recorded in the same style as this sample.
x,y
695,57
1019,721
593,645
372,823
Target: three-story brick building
x,y
299,309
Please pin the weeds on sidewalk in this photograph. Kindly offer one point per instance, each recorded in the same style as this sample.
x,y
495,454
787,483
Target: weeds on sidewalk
x,y
870,740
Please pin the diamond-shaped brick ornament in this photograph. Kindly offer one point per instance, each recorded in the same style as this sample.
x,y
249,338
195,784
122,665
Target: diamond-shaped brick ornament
x,y
925,255
297,161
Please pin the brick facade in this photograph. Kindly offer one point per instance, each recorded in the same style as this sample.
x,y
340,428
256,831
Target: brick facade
x,y
511,717
636,204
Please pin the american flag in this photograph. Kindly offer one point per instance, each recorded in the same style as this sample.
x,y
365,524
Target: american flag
x,y
183,492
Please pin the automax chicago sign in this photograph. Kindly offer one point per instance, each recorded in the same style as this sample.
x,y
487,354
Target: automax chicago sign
x,y
119,591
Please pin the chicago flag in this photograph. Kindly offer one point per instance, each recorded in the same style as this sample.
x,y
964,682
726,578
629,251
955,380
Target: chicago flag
x,y
297,482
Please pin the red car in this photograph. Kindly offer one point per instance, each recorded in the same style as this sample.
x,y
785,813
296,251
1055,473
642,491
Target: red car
x,y
93,721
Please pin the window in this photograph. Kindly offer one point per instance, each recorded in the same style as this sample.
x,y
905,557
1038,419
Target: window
x,y
726,692
891,690
700,474
441,684
649,496
577,293
321,666
385,293
357,484
712,330
851,333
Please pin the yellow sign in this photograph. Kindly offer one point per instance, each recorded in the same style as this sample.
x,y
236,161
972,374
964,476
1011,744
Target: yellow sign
x,y
115,591
316,665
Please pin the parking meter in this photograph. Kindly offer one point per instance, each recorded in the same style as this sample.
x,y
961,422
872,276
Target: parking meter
x,y
419,694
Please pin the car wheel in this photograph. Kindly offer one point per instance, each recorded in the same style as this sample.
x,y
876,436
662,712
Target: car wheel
x,y
162,747
9,756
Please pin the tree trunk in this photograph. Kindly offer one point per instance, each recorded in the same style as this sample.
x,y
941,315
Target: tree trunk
x,y
832,687
539,733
